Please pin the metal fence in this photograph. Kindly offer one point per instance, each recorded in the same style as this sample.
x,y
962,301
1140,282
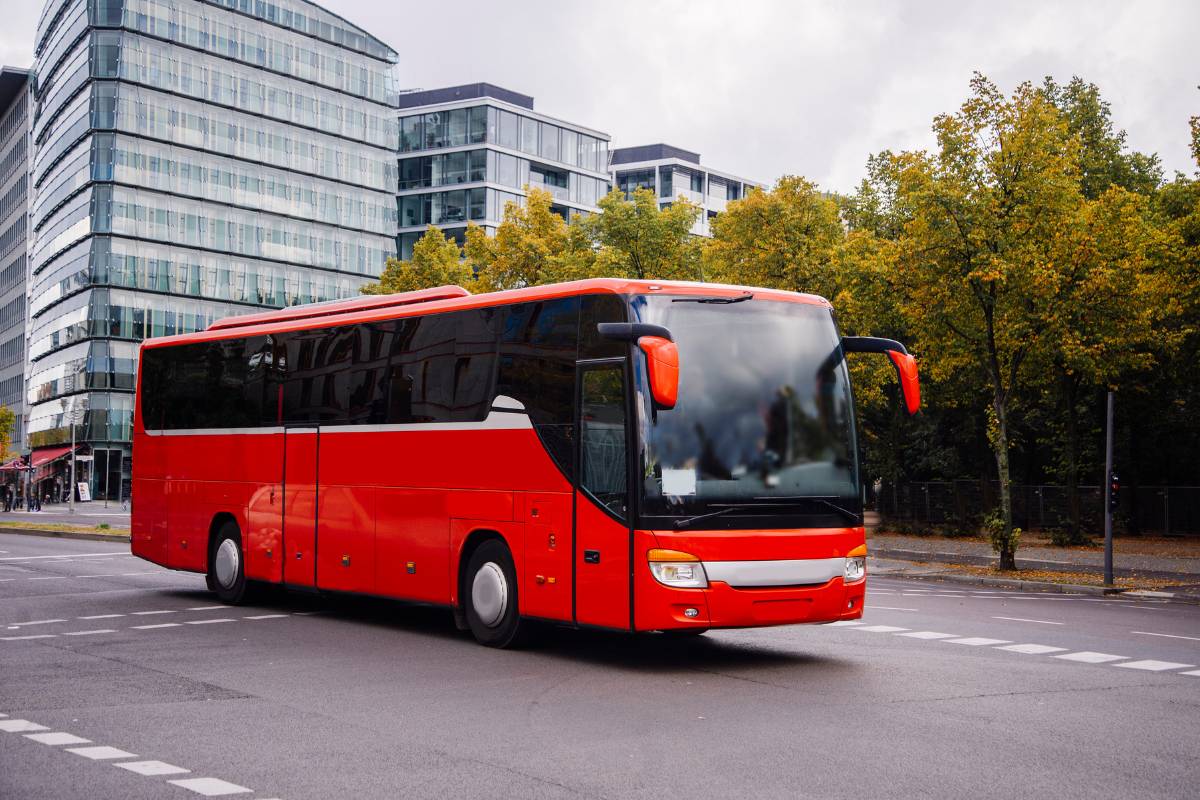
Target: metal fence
x,y
1163,510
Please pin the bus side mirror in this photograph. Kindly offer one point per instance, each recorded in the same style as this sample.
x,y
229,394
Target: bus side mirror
x,y
662,356
905,364
662,363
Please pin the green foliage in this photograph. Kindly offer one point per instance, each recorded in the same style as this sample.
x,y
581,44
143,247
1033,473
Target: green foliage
x,y
636,239
7,419
436,261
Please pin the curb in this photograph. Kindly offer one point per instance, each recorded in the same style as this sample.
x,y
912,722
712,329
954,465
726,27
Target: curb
x,y
901,554
94,537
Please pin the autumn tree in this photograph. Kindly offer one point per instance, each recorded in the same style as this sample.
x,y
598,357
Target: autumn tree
x,y
7,419
635,238
784,238
436,261
985,214
530,247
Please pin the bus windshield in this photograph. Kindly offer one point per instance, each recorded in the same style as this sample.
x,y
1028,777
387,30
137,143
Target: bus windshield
x,y
764,420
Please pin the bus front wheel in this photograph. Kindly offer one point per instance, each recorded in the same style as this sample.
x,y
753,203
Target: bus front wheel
x,y
490,596
226,565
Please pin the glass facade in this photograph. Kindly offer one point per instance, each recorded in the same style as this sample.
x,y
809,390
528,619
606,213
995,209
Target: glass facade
x,y
14,223
193,160
486,152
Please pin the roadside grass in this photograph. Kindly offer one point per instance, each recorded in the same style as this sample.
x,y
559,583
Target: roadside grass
x,y
103,528
1055,576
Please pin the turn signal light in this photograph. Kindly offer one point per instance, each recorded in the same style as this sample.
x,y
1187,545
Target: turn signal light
x,y
677,569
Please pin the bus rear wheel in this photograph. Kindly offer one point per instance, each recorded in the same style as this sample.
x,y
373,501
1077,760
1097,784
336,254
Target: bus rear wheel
x,y
226,565
490,596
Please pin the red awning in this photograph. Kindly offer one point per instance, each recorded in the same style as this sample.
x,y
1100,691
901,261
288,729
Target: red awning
x,y
42,457
11,466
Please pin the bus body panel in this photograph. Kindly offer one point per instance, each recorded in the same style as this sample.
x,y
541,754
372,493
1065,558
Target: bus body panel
x,y
547,585
601,566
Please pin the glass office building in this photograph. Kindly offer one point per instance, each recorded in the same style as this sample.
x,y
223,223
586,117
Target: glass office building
x,y
671,173
467,151
14,221
192,159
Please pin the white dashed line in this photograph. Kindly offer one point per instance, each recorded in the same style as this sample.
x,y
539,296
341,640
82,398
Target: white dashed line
x,y
152,768
978,641
1167,635
211,787
102,616
100,752
155,627
36,622
894,608
206,608
281,616
1088,657
20,726
57,738
151,613
1022,619
845,622
49,578
1032,649
207,621
89,633
1195,672
928,635
1151,665
881,629
26,638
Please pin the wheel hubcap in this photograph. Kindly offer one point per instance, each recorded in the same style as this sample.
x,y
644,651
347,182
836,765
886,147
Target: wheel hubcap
x,y
489,594
226,563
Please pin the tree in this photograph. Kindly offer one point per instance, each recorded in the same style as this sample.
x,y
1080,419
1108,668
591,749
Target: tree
x,y
635,238
785,238
436,261
980,282
531,246
7,419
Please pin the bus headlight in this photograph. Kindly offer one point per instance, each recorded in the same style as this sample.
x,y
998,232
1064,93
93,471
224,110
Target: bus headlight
x,y
677,569
856,569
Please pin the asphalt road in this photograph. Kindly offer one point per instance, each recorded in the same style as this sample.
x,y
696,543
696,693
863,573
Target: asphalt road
x,y
942,691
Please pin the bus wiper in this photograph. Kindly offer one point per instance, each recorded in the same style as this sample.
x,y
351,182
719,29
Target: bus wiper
x,y
686,522
715,300
822,501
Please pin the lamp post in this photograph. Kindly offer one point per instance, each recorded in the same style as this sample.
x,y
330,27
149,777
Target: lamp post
x,y
71,422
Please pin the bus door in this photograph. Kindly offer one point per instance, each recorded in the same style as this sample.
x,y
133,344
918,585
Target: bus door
x,y
300,486
603,535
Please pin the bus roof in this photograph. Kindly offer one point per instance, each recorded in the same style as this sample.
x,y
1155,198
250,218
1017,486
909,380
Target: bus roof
x,y
450,298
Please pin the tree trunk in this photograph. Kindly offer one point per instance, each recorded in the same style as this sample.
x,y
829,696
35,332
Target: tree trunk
x,y
1005,543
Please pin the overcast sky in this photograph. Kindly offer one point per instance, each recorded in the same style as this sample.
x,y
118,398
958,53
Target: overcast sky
x,y
761,88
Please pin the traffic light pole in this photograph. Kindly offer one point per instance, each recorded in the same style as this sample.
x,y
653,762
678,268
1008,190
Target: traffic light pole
x,y
1108,495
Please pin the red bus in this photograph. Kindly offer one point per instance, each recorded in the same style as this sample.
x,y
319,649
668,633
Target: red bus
x,y
631,455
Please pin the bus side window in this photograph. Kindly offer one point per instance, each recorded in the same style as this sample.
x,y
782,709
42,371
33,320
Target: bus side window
x,y
602,439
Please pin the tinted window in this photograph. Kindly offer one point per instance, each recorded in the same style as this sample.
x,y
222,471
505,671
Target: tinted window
x,y
221,384
538,348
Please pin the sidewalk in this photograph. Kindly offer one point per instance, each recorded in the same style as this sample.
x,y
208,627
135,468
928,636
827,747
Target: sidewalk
x,y
91,513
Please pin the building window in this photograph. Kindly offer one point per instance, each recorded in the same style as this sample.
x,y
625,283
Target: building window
x,y
478,124
664,182
529,136
628,182
549,149
509,135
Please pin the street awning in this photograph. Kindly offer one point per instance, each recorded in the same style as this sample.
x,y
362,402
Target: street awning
x,y
11,466
45,456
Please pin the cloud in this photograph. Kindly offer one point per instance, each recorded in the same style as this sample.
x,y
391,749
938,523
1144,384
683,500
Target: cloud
x,y
763,89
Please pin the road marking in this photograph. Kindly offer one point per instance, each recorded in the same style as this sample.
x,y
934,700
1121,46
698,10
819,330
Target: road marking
x,y
1022,619
20,726
1153,666
894,608
1032,649
1088,657
281,616
1168,635
845,622
210,787
149,613
57,738
102,616
35,622
26,638
881,628
978,641
100,752
89,633
206,608
105,575
207,621
1192,672
151,572
152,768
155,627
928,635
60,558
49,578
